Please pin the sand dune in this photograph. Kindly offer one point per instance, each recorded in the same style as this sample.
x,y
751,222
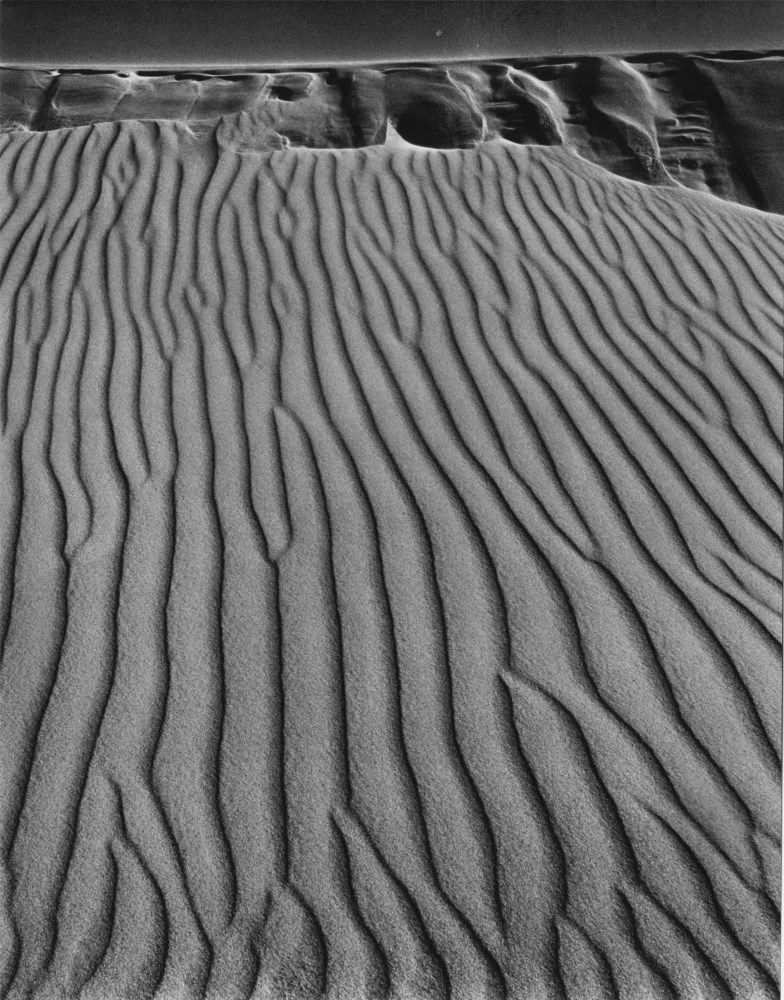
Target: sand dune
x,y
391,574
712,124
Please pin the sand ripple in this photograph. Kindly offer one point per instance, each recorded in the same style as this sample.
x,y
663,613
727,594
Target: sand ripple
x,y
390,596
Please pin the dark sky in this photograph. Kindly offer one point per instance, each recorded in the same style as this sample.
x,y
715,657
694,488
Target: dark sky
x,y
268,33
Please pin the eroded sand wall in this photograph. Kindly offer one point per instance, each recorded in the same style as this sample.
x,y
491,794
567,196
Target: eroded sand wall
x,y
708,123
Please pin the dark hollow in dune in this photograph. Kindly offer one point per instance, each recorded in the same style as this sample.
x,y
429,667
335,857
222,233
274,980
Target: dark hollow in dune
x,y
437,125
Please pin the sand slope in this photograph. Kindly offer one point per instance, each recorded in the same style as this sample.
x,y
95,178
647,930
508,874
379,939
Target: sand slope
x,y
390,574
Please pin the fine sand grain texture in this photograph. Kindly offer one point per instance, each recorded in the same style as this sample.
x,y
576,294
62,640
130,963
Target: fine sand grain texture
x,y
391,568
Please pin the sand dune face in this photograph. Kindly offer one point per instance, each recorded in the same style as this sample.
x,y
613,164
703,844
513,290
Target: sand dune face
x,y
391,574
706,123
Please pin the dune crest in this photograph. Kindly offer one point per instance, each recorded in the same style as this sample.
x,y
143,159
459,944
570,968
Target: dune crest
x,y
706,122
391,574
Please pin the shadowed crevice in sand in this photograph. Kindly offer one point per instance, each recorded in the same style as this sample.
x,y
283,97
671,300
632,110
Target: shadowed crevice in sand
x,y
391,573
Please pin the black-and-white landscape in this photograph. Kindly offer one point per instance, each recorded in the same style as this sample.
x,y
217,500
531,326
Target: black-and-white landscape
x,y
390,529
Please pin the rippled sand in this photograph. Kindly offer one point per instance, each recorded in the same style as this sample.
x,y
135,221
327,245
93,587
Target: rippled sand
x,y
390,598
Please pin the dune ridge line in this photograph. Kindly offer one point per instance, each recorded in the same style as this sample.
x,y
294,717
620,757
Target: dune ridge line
x,y
708,122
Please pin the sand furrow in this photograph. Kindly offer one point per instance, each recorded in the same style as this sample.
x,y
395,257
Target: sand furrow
x,y
390,560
